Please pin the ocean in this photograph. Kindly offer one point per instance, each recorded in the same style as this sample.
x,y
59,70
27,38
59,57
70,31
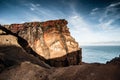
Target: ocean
x,y
99,54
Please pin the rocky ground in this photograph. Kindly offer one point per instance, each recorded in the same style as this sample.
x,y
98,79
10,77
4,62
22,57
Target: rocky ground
x,y
29,71
16,63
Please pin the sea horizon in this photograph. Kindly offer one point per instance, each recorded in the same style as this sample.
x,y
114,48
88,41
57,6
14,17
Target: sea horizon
x,y
99,53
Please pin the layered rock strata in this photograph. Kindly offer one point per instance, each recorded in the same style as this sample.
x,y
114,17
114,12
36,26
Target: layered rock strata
x,y
51,40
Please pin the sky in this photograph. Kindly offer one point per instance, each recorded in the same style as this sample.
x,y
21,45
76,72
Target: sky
x,y
89,21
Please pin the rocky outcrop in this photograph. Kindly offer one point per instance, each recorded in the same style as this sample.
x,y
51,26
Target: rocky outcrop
x,y
11,53
50,40
115,61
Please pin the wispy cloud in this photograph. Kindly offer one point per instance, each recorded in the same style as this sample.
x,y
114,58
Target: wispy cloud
x,y
34,6
85,33
45,13
81,30
32,9
107,25
94,11
114,4
111,14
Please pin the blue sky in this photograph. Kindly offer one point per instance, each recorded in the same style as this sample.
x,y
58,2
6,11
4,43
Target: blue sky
x,y
90,21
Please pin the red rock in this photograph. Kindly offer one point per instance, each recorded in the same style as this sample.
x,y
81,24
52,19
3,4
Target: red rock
x,y
51,40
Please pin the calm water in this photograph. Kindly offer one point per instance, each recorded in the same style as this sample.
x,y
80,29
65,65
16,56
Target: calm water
x,y
99,53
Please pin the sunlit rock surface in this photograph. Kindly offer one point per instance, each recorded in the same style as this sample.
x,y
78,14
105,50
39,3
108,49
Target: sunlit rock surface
x,y
51,40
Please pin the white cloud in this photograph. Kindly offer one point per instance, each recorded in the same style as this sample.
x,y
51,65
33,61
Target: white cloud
x,y
85,33
42,13
36,19
34,6
106,25
78,22
81,30
32,9
31,17
110,15
114,4
94,11
46,13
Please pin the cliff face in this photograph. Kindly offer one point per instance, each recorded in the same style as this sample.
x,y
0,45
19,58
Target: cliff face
x,y
51,40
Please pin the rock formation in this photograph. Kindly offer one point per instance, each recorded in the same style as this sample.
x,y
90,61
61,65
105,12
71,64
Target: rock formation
x,y
51,40
19,50
11,53
115,61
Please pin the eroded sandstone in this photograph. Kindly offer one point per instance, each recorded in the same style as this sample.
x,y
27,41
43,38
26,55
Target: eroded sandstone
x,y
51,40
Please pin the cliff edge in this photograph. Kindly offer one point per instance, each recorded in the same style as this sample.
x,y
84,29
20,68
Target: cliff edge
x,y
51,40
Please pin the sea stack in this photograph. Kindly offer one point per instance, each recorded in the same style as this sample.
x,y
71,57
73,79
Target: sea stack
x,y
51,40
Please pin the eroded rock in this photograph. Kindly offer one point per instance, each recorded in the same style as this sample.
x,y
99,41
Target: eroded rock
x,y
51,40
11,53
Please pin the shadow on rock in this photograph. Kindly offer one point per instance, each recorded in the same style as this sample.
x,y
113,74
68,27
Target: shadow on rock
x,y
12,55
